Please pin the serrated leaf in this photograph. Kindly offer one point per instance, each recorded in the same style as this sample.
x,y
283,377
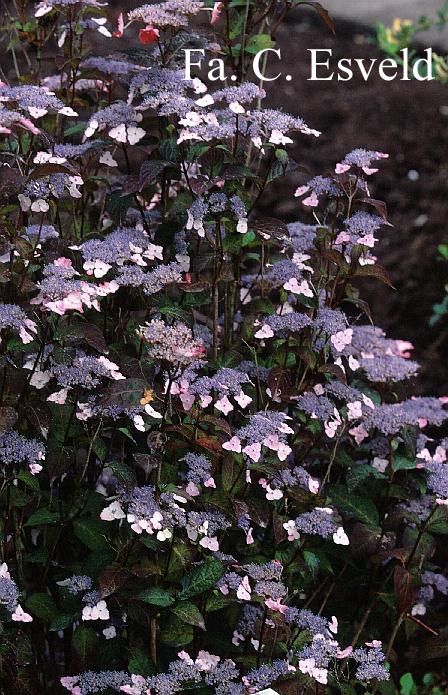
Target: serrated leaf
x,y
30,480
61,622
312,562
91,533
42,606
149,172
359,473
189,613
156,596
42,170
217,602
361,508
39,415
201,578
84,641
125,392
405,588
374,271
140,663
111,580
177,634
401,463
43,516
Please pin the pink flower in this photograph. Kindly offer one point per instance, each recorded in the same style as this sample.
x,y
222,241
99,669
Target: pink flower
x,y
35,468
184,656
331,426
291,529
187,400
303,288
333,625
19,615
253,451
217,9
359,433
69,682
341,339
273,494
313,485
192,489
210,543
244,591
312,201
354,410
340,537
205,401
308,666
264,332
276,605
342,238
233,444
243,400
58,397
341,168
148,35
206,661
29,125
224,405
283,452
63,262
120,27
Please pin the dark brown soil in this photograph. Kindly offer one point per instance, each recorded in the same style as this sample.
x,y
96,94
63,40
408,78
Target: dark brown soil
x,y
409,120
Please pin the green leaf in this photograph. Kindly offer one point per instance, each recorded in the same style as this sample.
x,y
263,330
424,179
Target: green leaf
x,y
140,663
189,613
201,578
42,606
61,622
439,522
29,480
17,498
177,634
43,516
361,508
407,685
401,463
346,689
312,562
170,150
258,43
117,205
157,596
125,393
91,532
84,641
358,474
217,602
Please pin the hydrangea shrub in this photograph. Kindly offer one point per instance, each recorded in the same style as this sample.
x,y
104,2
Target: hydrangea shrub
x,y
214,475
